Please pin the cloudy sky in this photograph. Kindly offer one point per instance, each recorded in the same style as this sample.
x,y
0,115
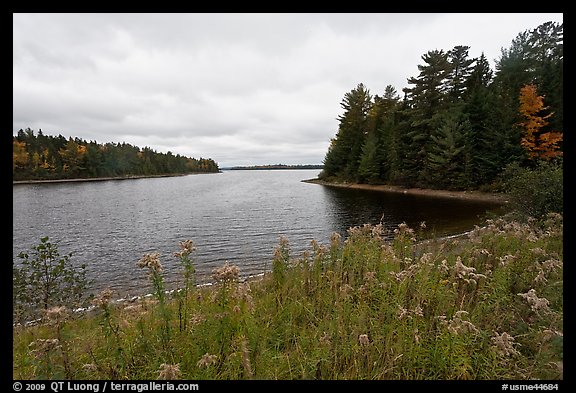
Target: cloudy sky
x,y
242,89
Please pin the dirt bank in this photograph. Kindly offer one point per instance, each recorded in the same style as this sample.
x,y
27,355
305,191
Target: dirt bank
x,y
472,195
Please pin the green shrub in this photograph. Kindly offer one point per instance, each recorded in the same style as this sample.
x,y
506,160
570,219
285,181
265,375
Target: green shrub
x,y
536,191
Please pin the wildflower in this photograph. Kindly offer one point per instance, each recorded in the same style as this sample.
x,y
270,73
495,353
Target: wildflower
x,y
369,277
335,239
56,314
443,267
90,367
187,247
207,360
538,251
169,371
363,339
402,312
506,259
536,303
426,258
540,278
41,346
418,311
363,291
226,273
151,261
314,244
551,264
462,270
475,236
457,325
504,344
377,231
197,319
404,230
403,274
133,308
245,293
547,334
103,298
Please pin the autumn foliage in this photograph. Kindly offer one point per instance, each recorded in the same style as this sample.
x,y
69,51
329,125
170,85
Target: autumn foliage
x,y
544,145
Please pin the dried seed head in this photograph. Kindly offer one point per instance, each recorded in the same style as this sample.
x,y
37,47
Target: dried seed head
x,y
504,344
536,303
226,273
103,298
151,261
56,314
169,371
187,247
207,360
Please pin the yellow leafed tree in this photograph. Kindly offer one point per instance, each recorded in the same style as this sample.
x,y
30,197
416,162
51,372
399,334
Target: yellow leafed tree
x,y
20,156
544,145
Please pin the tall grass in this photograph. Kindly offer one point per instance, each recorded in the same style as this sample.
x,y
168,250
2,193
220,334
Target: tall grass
x,y
485,306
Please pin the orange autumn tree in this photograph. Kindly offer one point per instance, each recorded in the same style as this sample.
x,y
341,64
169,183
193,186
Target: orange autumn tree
x,y
544,145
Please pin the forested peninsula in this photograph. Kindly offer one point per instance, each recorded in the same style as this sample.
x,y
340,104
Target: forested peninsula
x,y
460,125
44,157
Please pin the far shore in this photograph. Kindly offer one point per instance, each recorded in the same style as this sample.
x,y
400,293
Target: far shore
x,y
107,178
469,195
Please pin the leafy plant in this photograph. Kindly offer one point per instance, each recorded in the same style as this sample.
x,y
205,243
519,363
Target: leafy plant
x,y
45,279
536,191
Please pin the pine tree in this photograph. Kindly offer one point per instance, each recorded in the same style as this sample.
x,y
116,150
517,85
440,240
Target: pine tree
x,y
460,71
483,143
343,156
425,99
446,161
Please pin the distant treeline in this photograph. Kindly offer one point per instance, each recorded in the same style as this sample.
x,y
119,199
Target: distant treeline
x,y
45,157
277,166
459,124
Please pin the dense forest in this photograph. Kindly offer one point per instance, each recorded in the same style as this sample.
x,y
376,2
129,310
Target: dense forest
x,y
40,157
459,124
277,166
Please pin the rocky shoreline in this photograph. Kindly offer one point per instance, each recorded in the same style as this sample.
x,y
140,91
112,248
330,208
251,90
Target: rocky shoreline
x,y
470,195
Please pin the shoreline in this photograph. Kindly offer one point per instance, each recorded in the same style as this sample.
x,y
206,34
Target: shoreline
x,y
467,195
88,179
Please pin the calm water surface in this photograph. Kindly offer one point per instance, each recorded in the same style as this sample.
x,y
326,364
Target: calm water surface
x,y
234,216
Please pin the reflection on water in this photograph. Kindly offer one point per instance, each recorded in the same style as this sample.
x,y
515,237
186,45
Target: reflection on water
x,y
235,216
443,216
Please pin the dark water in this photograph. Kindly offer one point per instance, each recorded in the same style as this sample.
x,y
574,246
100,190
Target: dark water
x,y
235,216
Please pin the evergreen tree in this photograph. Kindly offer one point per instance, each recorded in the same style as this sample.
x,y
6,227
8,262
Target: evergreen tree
x,y
343,156
378,152
425,99
483,145
446,161
546,53
460,71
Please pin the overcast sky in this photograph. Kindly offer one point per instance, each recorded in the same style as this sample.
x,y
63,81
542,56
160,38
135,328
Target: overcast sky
x,y
242,89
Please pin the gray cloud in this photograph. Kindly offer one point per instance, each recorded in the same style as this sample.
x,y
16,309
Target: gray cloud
x,y
239,88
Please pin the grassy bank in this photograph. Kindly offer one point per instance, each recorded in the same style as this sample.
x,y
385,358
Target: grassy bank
x,y
486,306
